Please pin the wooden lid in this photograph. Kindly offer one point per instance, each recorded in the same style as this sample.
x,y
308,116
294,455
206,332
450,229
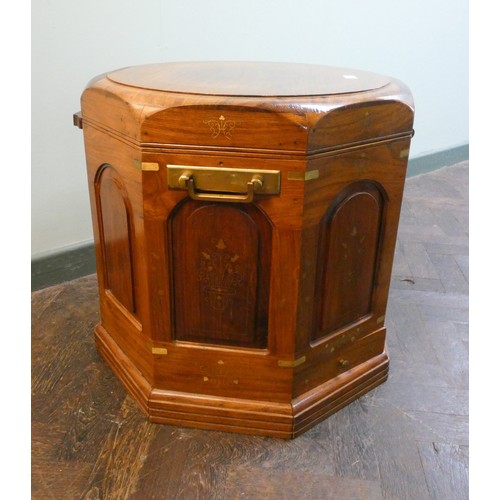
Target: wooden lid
x,y
250,79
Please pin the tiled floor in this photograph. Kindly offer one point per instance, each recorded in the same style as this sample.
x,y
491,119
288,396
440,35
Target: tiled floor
x,y
407,439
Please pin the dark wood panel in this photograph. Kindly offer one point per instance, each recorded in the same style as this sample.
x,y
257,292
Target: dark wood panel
x,y
220,269
116,234
347,257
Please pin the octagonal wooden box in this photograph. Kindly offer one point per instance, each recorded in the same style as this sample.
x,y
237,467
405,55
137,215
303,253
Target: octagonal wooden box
x,y
245,219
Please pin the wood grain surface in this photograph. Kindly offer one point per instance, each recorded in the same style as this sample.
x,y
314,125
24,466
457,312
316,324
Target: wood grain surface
x,y
247,78
222,256
408,439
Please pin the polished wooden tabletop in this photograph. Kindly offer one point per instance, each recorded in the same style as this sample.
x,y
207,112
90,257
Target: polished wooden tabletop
x,y
248,78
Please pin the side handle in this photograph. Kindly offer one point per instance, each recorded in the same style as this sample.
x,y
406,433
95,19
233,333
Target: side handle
x,y
78,120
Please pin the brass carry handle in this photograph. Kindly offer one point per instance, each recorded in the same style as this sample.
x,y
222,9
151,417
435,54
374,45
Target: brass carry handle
x,y
222,184
253,186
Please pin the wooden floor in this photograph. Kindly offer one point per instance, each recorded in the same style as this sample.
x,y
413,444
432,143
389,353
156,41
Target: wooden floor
x,y
407,439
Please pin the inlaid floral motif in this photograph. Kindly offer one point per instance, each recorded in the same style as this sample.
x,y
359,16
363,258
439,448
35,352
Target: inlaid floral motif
x,y
219,276
221,126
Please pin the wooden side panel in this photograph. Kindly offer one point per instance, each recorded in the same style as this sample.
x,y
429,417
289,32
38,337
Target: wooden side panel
x,y
116,229
220,269
225,126
361,122
347,258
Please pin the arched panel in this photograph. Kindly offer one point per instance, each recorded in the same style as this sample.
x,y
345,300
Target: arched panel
x,y
116,236
220,268
347,261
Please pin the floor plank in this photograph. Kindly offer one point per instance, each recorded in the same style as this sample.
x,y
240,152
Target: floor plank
x,y
446,470
407,439
257,484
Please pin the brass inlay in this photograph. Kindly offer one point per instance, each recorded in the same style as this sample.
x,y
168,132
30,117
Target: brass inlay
x,y
159,350
311,174
219,277
380,319
303,176
221,126
404,153
149,166
344,363
285,363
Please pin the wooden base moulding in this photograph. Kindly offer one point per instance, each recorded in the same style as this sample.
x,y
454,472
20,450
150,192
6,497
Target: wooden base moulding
x,y
265,418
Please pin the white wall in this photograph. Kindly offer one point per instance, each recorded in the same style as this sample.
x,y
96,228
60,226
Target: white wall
x,y
422,42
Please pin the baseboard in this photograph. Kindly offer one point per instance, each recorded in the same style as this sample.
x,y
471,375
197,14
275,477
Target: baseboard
x,y
436,160
67,265
61,266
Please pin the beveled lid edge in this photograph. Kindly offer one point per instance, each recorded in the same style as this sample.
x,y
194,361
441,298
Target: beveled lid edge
x,y
329,80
